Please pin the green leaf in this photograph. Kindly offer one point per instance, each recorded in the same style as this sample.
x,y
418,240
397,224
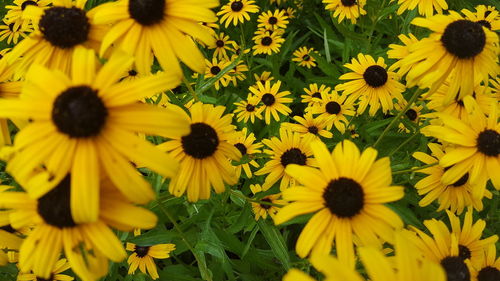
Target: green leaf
x,y
276,241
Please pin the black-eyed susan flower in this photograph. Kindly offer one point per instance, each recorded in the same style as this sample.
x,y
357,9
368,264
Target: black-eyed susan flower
x,y
346,9
468,234
413,114
262,31
443,248
263,77
247,146
352,131
262,210
476,146
313,94
290,12
346,196
204,154
13,32
267,44
274,101
273,20
455,196
86,123
238,72
214,67
334,108
309,127
142,257
489,269
237,11
87,246
456,107
458,48
289,148
400,51
59,29
303,57
56,274
15,11
425,7
487,16
222,45
248,109
406,264
144,28
372,84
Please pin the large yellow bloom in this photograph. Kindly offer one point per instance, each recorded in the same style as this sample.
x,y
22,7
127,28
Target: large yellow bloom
x,y
162,28
87,246
458,48
346,196
87,124
204,154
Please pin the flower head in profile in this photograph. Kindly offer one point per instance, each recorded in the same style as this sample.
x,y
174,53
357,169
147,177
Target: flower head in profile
x,y
142,257
426,8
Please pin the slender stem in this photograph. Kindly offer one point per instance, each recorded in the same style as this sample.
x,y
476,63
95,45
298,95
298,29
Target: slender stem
x,y
254,200
372,28
414,169
404,143
397,119
190,89
201,265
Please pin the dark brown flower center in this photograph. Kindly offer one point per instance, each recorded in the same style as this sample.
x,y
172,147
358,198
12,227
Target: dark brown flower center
x,y
132,72
333,107
147,12
488,273
464,252
54,206
64,27
464,39
348,3
293,156
215,70
306,57
266,206
313,130
273,20
202,142
456,269
250,108
219,43
268,99
375,76
79,112
344,197
242,148
316,95
485,23
488,143
266,41
27,3
236,6
141,251
412,114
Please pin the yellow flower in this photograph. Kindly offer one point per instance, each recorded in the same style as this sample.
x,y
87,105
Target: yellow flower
x,y
425,7
346,196
237,11
143,257
303,57
346,9
274,101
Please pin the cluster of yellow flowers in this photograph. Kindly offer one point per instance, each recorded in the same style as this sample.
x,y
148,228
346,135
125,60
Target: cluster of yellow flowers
x,y
92,96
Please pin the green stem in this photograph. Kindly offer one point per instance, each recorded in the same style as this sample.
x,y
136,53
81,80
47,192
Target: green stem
x,y
403,144
372,28
190,89
254,200
397,119
414,169
202,266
